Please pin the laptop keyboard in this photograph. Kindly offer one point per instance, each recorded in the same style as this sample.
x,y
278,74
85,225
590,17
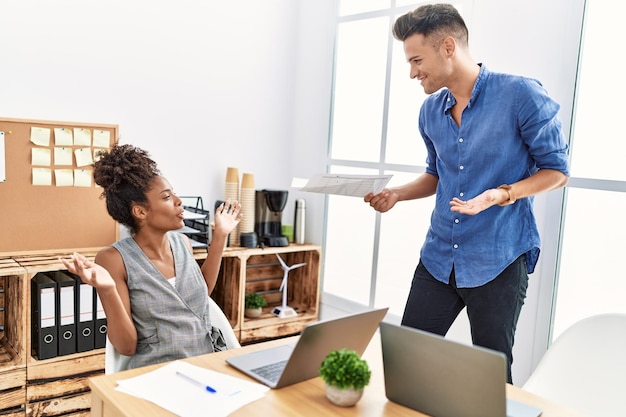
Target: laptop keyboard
x,y
271,371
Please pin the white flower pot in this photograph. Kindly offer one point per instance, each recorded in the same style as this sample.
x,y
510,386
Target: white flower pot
x,y
346,397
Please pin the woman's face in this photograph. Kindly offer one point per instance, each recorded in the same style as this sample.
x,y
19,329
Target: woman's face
x,y
164,209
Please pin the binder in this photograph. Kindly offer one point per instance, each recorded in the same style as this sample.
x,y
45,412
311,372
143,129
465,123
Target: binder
x,y
100,339
85,319
43,317
65,311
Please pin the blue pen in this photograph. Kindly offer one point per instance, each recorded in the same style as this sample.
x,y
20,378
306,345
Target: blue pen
x,y
196,382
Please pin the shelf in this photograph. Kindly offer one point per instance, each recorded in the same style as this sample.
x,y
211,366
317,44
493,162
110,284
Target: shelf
x,y
254,269
12,378
56,386
268,326
12,370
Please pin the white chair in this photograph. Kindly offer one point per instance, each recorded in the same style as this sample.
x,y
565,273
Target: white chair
x,y
219,320
115,362
585,367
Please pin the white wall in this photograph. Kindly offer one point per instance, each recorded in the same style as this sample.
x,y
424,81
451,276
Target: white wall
x,y
312,100
202,85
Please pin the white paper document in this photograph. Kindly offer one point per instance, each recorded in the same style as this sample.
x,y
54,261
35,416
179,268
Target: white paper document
x,y
189,391
341,184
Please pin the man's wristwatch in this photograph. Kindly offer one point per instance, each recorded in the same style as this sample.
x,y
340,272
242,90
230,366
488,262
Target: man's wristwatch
x,y
508,190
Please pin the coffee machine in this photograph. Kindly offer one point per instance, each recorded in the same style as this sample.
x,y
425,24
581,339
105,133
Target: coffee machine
x,y
268,217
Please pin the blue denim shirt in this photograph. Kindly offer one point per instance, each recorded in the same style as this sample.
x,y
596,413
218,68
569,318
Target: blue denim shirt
x,y
509,130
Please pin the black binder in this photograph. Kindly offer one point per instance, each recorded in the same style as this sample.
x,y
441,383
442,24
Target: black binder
x,y
101,323
66,313
84,315
43,317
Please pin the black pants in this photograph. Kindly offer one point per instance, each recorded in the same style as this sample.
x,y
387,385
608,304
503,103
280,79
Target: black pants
x,y
493,309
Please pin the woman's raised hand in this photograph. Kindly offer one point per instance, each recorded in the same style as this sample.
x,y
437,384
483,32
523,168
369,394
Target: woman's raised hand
x,y
227,217
90,272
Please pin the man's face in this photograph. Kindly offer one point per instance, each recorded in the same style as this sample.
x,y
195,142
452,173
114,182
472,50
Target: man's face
x,y
429,64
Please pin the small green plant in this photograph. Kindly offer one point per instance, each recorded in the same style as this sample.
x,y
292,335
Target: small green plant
x,y
344,368
255,300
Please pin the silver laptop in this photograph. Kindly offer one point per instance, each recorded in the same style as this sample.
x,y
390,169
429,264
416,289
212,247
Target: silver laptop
x,y
439,377
285,365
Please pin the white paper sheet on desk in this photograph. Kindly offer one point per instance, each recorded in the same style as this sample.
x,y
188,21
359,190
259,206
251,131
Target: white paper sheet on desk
x,y
166,389
341,184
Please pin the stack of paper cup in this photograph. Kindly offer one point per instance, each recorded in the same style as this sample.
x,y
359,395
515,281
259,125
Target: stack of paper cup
x,y
231,192
247,203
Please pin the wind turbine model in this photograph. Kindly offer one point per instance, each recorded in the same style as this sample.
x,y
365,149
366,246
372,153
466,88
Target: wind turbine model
x,y
284,310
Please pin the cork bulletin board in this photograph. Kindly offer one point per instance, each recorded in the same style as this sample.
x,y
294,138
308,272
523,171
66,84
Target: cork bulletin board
x,y
48,199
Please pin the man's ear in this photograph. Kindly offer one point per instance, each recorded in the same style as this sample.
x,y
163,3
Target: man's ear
x,y
449,46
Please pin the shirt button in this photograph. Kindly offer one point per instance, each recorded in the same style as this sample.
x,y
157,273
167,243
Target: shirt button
x,y
456,220
460,139
461,194
455,246
461,167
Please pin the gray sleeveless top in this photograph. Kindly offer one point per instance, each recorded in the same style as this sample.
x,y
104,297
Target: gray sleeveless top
x,y
172,322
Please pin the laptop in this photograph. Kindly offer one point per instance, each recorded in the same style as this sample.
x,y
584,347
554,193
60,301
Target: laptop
x,y
288,364
439,377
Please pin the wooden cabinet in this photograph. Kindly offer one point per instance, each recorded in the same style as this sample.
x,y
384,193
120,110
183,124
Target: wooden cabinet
x,y
245,270
28,386
12,337
59,386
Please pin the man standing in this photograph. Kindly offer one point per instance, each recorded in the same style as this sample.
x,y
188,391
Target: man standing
x,y
493,142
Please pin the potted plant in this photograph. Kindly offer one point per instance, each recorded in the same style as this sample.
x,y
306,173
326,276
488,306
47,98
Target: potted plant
x,y
254,303
345,374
